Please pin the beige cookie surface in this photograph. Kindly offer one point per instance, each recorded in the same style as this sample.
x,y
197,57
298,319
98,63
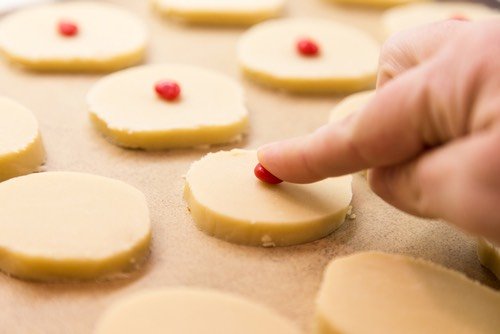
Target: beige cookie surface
x,y
350,105
190,311
347,60
227,201
418,14
125,107
489,255
58,226
376,3
108,37
221,12
385,293
21,147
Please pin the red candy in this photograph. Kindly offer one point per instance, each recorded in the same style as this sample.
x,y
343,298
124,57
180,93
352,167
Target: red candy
x,y
168,90
307,47
67,28
459,17
265,176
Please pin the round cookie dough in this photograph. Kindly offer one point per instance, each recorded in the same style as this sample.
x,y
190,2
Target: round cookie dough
x,y
108,38
21,148
385,293
221,12
126,109
190,311
227,201
350,105
489,256
418,14
376,3
62,226
347,59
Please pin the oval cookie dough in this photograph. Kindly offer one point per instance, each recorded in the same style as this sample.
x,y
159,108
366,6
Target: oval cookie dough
x,y
21,148
350,105
109,38
190,311
347,60
489,256
375,3
221,12
60,226
125,108
227,201
385,293
418,14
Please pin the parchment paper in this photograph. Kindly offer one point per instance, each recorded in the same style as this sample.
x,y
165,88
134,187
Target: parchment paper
x,y
285,279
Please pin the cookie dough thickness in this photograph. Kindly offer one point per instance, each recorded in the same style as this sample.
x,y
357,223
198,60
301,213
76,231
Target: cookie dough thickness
x,y
385,293
59,226
227,201
125,107
190,311
21,147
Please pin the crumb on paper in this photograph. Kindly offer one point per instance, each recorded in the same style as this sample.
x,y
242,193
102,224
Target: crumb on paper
x,y
350,215
267,241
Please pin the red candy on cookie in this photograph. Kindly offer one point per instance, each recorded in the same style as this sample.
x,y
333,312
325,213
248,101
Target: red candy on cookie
x,y
265,176
168,89
67,28
307,47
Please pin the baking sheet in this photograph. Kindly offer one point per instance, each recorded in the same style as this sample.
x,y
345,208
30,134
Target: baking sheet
x,y
285,279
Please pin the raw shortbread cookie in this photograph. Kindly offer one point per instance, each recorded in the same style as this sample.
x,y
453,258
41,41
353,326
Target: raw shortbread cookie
x,y
376,3
59,226
350,105
489,255
21,148
227,201
209,108
73,36
190,311
418,14
240,12
383,293
309,56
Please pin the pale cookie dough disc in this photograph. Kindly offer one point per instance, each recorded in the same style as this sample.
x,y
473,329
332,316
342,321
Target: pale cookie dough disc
x,y
232,12
489,255
109,38
210,110
383,293
227,201
59,226
21,148
376,3
418,14
190,311
350,105
347,60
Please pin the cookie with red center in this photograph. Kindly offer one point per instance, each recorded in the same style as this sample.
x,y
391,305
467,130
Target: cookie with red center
x,y
168,106
419,14
307,55
227,201
73,36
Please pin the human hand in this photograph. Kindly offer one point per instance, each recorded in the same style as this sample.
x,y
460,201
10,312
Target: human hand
x,y
431,135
